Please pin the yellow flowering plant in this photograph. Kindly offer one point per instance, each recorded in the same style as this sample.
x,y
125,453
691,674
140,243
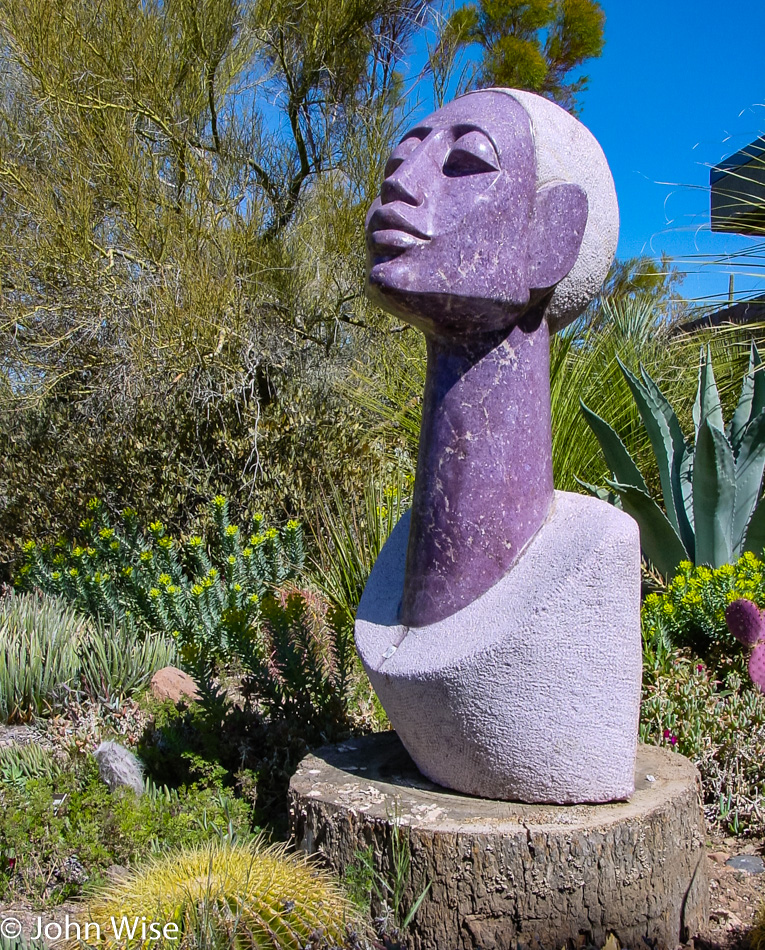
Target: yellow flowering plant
x,y
691,611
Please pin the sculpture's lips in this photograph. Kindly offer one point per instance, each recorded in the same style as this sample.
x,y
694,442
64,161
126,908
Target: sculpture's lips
x,y
387,228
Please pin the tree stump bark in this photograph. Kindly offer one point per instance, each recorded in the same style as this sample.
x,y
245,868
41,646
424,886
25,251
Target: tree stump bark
x,y
502,875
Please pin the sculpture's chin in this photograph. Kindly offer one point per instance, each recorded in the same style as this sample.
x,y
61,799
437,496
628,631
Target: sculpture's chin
x,y
439,313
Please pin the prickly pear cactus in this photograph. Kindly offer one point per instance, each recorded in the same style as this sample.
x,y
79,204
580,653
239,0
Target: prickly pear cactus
x,y
745,621
757,666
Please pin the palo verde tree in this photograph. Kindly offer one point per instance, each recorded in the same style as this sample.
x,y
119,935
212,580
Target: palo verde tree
x,y
182,192
530,44
173,172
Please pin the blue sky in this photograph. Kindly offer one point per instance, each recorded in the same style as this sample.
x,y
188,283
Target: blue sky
x,y
680,85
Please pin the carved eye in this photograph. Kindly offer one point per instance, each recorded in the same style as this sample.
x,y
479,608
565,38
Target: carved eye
x,y
472,154
400,153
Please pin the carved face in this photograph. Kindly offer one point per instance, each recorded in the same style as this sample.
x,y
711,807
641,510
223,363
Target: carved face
x,y
453,238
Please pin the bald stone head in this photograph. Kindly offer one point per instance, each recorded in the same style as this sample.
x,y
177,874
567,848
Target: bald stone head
x,y
496,202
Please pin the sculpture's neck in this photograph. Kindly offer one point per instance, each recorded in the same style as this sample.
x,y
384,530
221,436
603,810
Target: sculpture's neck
x,y
484,480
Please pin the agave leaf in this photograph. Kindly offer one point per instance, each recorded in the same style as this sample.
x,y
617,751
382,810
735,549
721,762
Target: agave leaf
x,y
686,487
617,457
660,542
603,494
749,469
755,532
707,405
669,446
714,495
751,402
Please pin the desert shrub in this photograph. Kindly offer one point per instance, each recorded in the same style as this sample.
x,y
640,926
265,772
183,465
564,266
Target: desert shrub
x,y
167,452
691,611
221,595
715,718
284,688
59,843
222,895
697,695
49,650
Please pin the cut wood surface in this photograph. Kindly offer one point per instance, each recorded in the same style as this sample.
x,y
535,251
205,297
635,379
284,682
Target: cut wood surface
x,y
505,875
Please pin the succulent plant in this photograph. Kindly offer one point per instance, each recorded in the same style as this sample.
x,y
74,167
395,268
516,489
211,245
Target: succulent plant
x,y
747,624
745,621
229,895
757,666
711,489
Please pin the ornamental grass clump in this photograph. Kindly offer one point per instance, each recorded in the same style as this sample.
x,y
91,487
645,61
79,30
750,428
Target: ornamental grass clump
x,y
224,895
38,654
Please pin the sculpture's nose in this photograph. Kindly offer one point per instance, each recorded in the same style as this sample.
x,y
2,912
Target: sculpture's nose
x,y
407,182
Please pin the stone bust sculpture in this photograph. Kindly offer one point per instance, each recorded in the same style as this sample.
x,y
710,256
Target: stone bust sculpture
x,y
495,225
488,233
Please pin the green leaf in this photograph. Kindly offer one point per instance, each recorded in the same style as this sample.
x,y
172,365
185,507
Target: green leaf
x,y
603,494
751,402
749,469
686,487
669,446
714,495
660,542
617,457
707,404
755,532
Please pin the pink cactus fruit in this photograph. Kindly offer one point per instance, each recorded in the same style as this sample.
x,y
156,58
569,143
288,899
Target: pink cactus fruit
x,y
745,621
757,666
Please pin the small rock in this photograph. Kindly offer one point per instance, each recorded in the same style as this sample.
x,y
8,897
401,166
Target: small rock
x,y
751,863
72,871
719,857
118,767
173,684
116,873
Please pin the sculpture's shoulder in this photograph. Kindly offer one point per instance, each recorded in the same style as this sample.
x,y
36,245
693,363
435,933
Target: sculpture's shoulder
x,y
596,518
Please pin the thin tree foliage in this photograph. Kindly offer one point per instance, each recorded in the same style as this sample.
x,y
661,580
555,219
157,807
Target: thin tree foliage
x,y
183,183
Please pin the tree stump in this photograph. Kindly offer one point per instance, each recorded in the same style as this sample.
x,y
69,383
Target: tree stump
x,y
502,875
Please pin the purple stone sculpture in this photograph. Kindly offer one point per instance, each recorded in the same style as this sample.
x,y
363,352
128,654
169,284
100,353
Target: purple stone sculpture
x,y
500,625
464,244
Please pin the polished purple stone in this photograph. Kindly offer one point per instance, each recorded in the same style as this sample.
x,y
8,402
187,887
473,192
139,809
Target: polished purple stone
x,y
464,245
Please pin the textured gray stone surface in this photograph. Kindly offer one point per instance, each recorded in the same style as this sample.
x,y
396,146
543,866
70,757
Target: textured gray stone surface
x,y
565,150
505,876
532,691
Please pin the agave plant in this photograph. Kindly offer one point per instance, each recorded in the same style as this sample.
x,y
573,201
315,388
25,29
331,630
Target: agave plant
x,y
711,488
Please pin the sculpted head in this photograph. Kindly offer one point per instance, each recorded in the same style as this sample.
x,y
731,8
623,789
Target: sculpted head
x,y
497,202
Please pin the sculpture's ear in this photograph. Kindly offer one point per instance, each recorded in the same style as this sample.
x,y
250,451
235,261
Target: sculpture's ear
x,y
555,236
